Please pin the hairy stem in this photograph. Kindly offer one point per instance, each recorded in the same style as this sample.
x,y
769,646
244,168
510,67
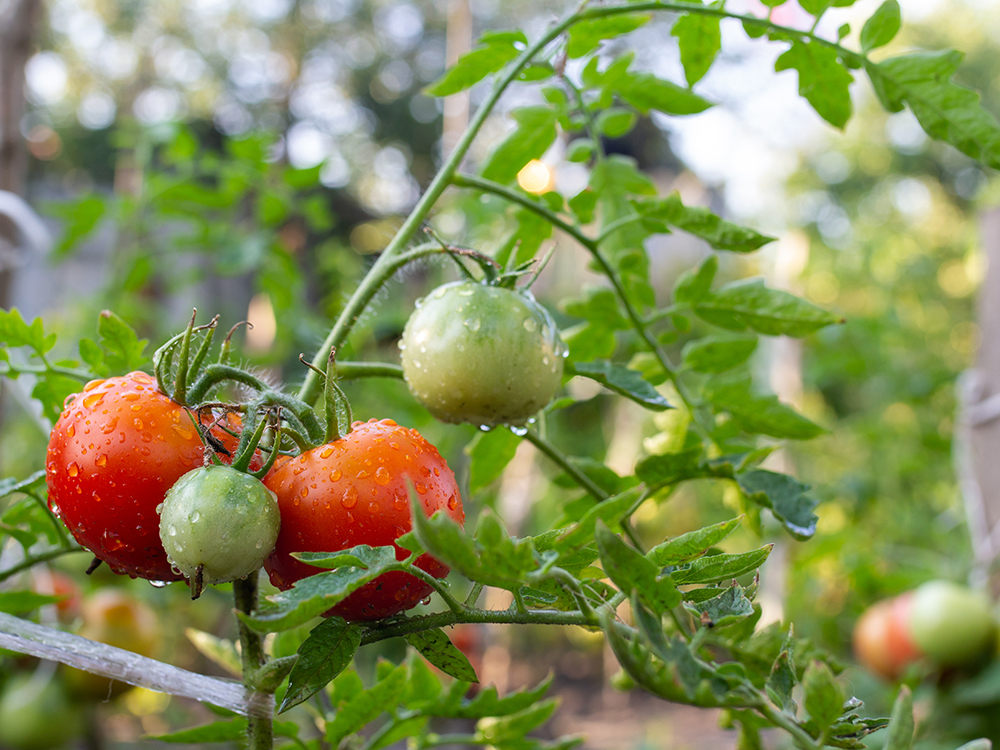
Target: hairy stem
x,y
260,729
563,462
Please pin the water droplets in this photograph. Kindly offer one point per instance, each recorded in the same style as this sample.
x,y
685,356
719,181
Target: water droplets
x,y
335,475
71,430
159,584
101,461
108,427
452,502
93,399
473,324
531,325
382,476
350,497
420,488
182,431
73,470
195,517
327,452
138,423
362,474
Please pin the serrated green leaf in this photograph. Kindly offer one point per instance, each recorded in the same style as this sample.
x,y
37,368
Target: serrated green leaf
x,y
438,649
646,92
701,222
783,678
700,40
714,354
315,594
10,485
486,702
534,133
824,698
500,730
785,496
882,27
598,305
695,285
219,731
81,218
615,122
580,150
728,607
750,304
366,706
823,81
14,331
716,568
623,381
693,544
609,511
944,109
395,731
586,36
123,348
23,602
322,656
489,454
670,468
763,415
493,52
630,571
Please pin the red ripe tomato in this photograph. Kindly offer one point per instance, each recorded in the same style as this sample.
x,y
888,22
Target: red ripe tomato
x,y
354,491
115,451
882,640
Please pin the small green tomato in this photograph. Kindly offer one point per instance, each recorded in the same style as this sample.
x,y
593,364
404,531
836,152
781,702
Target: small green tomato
x,y
482,354
218,524
951,624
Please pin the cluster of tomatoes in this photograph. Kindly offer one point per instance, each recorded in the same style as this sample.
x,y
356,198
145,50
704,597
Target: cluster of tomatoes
x,y
143,482
939,623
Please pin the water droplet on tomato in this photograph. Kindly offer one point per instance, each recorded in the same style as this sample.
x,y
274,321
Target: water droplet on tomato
x,y
530,325
56,510
335,475
362,474
195,517
71,430
92,400
131,396
304,492
425,601
91,385
97,498
382,476
101,460
172,530
109,427
424,471
183,431
452,502
421,488
138,423
472,324
159,508
147,437
327,452
158,584
73,469
374,508
350,498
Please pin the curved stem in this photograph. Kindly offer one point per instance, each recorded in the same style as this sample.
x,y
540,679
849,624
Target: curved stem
x,y
11,369
355,370
216,374
441,587
563,462
41,557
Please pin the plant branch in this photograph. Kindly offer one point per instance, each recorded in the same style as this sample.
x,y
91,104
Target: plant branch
x,y
440,586
355,370
41,557
260,729
563,462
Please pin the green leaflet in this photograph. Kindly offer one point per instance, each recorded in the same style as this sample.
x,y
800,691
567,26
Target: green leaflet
x,y
322,656
823,80
494,51
944,109
535,132
882,27
699,40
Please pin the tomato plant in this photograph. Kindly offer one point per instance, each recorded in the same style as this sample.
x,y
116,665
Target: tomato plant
x,y
355,491
218,524
882,640
117,448
481,353
951,624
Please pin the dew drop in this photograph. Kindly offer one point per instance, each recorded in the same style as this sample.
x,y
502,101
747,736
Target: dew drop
x,y
473,324
304,492
382,476
374,508
362,474
195,517
159,509
259,544
56,509
138,423
437,471
335,475
519,431
172,530
421,488
425,472
110,427
350,498
91,385
73,469
327,452
92,400
158,584
452,502
71,430
183,431
147,437
425,601
400,502
102,460
530,324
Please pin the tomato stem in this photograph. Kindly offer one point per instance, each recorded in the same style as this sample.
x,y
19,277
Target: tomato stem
x,y
228,343
206,344
180,378
260,729
253,431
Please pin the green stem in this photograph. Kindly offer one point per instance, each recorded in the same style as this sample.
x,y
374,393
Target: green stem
x,y
355,370
394,629
474,592
786,722
14,370
441,587
41,557
442,740
260,729
563,462
489,186
56,523
377,275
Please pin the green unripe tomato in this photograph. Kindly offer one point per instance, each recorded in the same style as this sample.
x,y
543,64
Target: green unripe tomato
x,y
482,354
221,519
952,625
36,714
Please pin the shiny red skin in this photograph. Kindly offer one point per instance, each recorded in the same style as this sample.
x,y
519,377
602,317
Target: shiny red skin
x,y
114,452
354,491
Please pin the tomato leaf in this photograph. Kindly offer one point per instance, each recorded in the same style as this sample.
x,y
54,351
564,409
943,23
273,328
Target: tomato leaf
x,y
882,27
23,602
367,705
764,415
945,110
701,222
535,132
493,52
219,731
783,678
693,544
785,496
585,37
700,40
715,568
749,304
630,571
695,285
486,702
438,649
489,454
609,511
714,354
901,725
498,731
823,81
824,698
727,608
123,349
623,381
81,217
361,556
322,656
